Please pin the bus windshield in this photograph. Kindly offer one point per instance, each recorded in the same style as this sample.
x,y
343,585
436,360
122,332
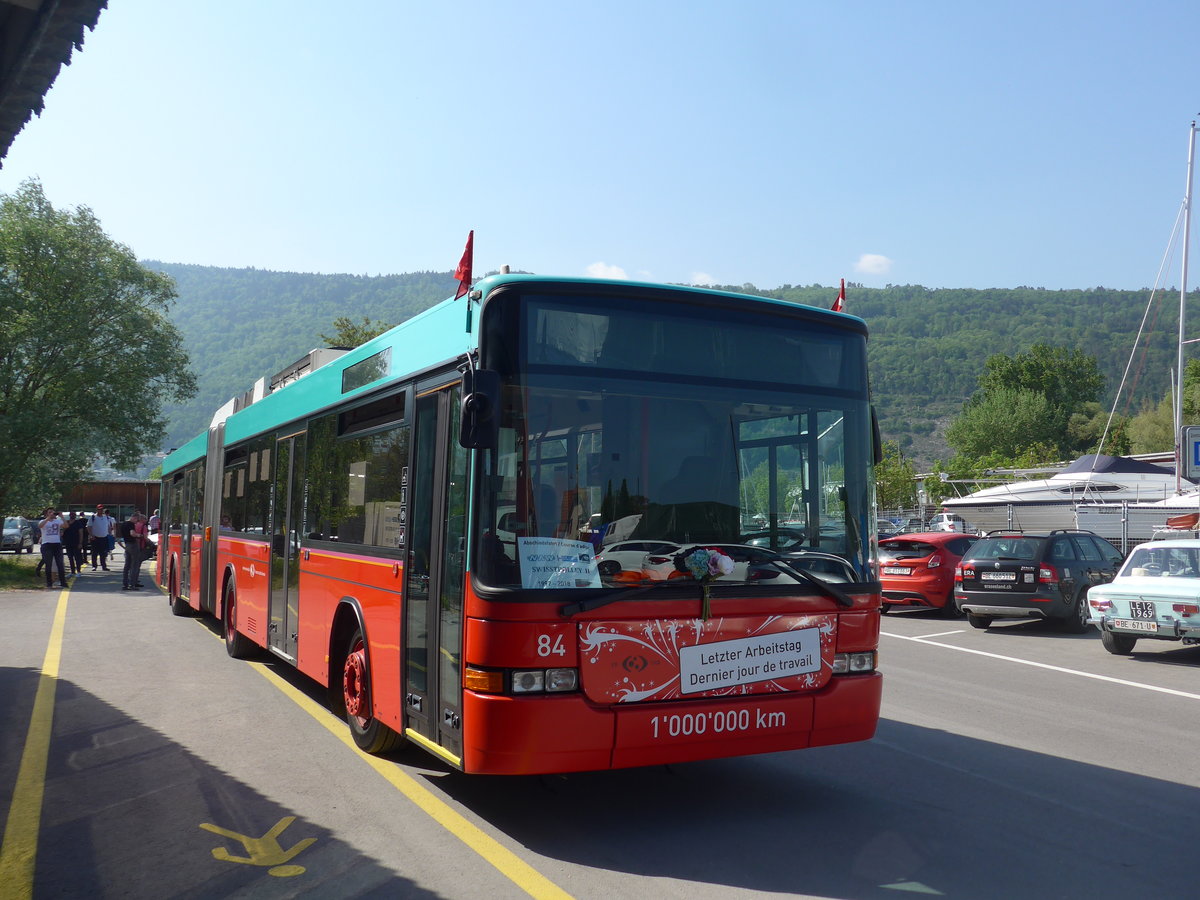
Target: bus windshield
x,y
638,429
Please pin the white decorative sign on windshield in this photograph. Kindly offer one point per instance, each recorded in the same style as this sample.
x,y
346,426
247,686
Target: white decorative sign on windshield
x,y
557,563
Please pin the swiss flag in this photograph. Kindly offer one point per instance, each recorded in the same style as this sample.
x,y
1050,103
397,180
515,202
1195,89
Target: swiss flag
x,y
839,305
463,272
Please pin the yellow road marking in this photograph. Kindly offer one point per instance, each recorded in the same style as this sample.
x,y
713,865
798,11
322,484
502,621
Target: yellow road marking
x,y
263,851
504,860
19,850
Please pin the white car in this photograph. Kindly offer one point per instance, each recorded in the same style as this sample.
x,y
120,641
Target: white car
x,y
1154,596
631,554
950,522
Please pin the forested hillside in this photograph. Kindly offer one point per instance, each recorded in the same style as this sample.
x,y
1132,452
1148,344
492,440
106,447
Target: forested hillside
x,y
241,324
926,348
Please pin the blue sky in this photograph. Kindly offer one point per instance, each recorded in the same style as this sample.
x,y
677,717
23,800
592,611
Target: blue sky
x,y
947,144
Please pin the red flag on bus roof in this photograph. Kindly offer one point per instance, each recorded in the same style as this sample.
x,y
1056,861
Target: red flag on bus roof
x,y
839,305
463,272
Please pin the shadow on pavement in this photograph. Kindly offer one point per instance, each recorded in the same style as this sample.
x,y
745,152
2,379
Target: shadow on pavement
x,y
125,814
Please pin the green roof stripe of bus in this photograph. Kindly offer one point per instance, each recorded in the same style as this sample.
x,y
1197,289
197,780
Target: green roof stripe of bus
x,y
189,452
436,335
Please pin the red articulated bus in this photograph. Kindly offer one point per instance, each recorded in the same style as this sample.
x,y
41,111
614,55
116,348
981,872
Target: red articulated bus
x,y
557,525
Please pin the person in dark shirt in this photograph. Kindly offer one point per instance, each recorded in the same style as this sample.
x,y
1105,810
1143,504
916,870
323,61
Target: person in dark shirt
x,y
73,538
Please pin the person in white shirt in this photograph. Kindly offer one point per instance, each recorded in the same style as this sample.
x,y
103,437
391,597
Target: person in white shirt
x,y
52,548
101,526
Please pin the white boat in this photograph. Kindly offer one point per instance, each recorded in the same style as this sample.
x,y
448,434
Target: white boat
x,y
1091,478
1048,503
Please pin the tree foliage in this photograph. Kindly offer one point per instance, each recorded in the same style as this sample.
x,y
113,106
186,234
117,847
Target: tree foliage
x,y
895,479
350,334
1153,430
1002,423
1040,403
243,324
88,352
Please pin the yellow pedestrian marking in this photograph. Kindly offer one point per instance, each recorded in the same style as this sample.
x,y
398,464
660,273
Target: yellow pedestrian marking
x,y
505,861
19,849
263,851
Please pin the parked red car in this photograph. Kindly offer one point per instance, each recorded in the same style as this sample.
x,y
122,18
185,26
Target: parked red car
x,y
918,569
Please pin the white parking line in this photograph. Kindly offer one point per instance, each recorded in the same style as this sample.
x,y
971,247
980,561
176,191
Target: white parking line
x,y
939,634
1038,665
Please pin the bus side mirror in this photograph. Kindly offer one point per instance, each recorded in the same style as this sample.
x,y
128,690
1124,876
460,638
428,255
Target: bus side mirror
x,y
876,438
480,427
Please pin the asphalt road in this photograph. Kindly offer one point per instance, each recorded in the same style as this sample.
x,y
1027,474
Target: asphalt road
x,y
1020,761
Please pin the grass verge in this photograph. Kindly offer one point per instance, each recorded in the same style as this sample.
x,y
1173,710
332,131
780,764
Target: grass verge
x,y
17,572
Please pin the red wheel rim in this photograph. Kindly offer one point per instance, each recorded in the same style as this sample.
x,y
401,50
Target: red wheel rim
x,y
354,681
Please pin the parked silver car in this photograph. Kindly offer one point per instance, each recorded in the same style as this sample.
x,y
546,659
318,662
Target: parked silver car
x,y
18,534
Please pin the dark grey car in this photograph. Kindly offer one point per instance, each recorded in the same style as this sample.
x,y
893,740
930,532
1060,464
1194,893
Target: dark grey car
x,y
18,534
1011,575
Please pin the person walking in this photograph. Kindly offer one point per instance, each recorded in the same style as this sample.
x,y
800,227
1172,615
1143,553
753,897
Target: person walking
x,y
52,547
133,536
145,547
100,529
72,540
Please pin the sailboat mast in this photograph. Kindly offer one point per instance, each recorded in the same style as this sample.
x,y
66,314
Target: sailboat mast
x,y
1187,228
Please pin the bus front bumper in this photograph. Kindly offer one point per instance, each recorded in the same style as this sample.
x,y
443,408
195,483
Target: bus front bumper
x,y
520,736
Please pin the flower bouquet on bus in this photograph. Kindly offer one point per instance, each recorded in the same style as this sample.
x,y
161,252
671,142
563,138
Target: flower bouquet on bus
x,y
706,565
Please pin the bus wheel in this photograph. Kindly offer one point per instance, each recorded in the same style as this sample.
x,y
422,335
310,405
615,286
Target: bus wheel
x,y
237,644
179,606
371,735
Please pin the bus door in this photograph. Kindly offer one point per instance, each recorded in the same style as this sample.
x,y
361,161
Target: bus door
x,y
189,524
287,518
433,595
208,510
192,529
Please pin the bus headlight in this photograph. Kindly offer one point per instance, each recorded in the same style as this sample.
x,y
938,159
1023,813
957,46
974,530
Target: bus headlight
x,y
562,679
536,681
854,663
532,681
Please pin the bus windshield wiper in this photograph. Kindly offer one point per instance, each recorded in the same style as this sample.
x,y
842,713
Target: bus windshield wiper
x,y
617,596
839,596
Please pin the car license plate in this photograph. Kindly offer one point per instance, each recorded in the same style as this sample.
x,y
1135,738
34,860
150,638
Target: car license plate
x,y
897,570
997,576
1135,625
1141,609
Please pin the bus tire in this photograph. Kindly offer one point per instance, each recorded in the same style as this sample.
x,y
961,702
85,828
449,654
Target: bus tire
x,y
179,606
237,644
369,734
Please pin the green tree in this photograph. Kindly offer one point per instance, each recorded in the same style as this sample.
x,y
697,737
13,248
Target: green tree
x,y
1043,398
87,351
1153,430
351,334
1065,377
895,479
1002,423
